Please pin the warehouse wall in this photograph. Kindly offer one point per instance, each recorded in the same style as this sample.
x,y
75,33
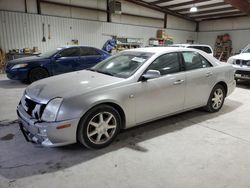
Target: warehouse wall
x,y
19,30
238,28
131,13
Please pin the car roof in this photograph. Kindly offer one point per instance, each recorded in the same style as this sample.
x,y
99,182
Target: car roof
x,y
158,50
70,46
191,45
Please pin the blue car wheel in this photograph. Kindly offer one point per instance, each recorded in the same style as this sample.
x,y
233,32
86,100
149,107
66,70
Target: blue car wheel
x,y
37,74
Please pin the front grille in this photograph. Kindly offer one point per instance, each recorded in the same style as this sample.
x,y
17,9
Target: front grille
x,y
32,108
242,62
243,72
9,66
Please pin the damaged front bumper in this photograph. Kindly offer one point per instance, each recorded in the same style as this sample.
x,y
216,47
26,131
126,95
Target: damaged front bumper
x,y
49,134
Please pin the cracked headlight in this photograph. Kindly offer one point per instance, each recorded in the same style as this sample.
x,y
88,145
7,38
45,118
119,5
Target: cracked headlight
x,y
19,66
51,110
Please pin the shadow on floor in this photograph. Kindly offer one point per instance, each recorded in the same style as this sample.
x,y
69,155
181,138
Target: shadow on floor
x,y
11,84
24,159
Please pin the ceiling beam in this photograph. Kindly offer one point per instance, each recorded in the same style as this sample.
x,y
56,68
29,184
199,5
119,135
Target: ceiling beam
x,y
154,7
202,7
224,17
217,15
242,5
185,3
160,1
213,10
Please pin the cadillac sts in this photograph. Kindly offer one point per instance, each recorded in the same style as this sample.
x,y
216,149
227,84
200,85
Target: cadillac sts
x,y
133,87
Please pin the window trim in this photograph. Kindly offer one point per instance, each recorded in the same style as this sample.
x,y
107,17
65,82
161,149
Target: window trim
x,y
184,64
180,66
81,48
67,49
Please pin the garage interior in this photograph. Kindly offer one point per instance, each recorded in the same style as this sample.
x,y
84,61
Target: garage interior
x,y
192,149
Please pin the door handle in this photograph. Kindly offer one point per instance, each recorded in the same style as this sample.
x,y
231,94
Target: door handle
x,y
177,82
209,74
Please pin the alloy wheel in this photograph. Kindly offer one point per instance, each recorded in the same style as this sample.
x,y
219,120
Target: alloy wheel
x,y
101,128
217,98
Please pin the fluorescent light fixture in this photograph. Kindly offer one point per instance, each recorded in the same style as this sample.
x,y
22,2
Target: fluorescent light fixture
x,y
193,9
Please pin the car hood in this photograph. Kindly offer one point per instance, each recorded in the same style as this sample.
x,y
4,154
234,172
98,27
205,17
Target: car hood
x,y
69,85
242,56
25,60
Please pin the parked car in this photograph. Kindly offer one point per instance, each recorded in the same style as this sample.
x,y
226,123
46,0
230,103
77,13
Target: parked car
x,y
125,90
241,63
58,61
206,48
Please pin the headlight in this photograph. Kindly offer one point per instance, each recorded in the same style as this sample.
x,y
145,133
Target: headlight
x,y
51,110
19,66
231,60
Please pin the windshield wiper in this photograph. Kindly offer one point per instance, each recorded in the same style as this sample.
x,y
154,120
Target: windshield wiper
x,y
103,72
90,69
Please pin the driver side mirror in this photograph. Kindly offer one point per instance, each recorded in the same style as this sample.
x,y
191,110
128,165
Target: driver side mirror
x,y
150,74
57,56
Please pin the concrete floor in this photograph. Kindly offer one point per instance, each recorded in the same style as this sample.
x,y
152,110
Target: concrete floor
x,y
193,149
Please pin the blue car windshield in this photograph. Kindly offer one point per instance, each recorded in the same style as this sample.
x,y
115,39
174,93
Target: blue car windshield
x,y
50,53
122,65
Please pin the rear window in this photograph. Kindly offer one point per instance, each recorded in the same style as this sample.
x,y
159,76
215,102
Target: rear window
x,y
203,48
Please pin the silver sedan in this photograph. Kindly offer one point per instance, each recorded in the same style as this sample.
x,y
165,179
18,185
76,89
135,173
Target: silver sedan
x,y
128,89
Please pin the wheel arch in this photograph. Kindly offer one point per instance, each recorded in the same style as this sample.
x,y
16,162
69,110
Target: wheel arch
x,y
222,83
114,105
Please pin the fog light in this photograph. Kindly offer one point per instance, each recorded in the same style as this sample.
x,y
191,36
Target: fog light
x,y
43,132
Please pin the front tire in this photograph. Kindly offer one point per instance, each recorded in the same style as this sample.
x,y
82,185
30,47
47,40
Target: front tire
x,y
216,99
99,127
37,74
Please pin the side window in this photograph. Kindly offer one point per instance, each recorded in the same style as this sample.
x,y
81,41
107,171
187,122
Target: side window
x,y
207,49
166,64
203,48
197,47
194,60
86,51
70,52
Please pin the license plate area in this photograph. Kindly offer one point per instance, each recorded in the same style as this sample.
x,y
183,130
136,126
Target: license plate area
x,y
29,128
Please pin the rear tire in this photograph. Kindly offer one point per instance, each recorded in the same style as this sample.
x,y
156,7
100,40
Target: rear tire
x,y
216,99
99,127
37,74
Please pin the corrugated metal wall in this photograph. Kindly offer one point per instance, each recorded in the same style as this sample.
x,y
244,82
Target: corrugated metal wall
x,y
20,30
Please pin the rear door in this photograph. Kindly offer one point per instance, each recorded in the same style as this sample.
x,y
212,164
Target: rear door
x,y
67,60
199,79
89,57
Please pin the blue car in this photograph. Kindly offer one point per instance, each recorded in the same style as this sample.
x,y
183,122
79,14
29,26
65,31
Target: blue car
x,y
58,61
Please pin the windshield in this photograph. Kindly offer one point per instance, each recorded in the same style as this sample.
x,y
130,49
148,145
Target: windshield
x,y
49,53
122,65
246,49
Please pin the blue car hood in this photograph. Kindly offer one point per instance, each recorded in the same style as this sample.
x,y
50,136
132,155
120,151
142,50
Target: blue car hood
x,y
25,60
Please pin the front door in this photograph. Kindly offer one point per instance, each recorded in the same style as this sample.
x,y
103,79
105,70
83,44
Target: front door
x,y
164,95
68,60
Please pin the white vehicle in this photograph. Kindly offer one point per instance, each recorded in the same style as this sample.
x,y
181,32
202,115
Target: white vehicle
x,y
203,47
241,63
